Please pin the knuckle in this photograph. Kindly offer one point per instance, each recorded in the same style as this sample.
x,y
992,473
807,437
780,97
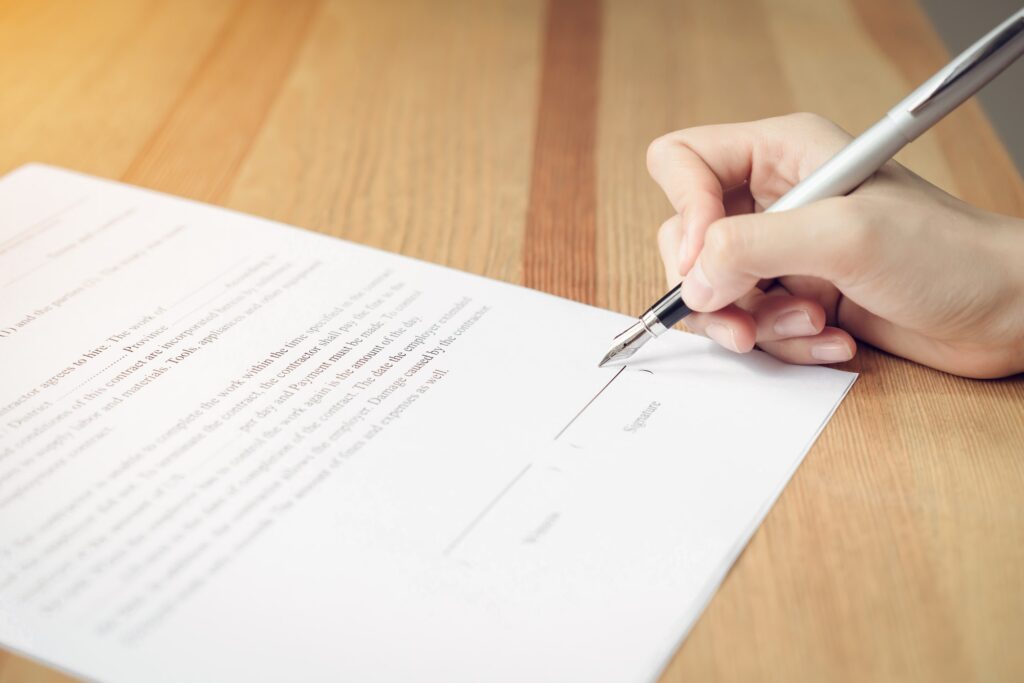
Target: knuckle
x,y
659,149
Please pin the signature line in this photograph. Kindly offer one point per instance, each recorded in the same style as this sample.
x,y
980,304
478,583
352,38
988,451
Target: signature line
x,y
483,513
576,417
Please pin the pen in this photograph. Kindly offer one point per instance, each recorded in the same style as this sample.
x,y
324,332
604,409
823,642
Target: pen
x,y
970,71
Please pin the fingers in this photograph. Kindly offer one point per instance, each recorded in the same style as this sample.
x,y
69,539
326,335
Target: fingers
x,y
670,236
772,321
712,172
831,239
783,316
832,345
731,327
695,167
693,189
739,200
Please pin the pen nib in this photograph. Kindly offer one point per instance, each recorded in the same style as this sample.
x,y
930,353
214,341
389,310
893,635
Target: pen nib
x,y
627,343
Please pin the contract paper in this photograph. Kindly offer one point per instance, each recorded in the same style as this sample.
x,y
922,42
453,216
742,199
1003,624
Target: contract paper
x,y
235,450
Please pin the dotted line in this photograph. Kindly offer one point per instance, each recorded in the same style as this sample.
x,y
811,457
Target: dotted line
x,y
91,378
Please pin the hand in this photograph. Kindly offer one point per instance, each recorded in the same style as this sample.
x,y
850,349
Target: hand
x,y
898,263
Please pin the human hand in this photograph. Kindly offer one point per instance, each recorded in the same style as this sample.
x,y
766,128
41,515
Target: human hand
x,y
897,263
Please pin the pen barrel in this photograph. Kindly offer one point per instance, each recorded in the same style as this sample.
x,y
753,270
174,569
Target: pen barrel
x,y
950,87
965,75
849,168
668,310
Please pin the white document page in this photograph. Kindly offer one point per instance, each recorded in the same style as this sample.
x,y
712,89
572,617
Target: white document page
x,y
235,450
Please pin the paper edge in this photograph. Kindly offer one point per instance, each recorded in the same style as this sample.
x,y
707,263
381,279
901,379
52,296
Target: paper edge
x,y
708,593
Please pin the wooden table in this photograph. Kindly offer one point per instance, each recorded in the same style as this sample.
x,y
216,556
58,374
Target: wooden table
x,y
507,138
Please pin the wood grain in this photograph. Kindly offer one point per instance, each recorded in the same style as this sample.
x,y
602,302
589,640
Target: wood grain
x,y
561,219
84,85
507,138
407,126
193,153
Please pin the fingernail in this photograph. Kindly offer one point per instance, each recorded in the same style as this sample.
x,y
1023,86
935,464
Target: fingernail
x,y
696,287
831,353
723,335
794,324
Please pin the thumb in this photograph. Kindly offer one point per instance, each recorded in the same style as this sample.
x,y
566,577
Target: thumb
x,y
829,239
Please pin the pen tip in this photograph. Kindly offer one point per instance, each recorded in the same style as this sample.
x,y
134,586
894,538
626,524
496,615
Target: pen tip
x,y
627,343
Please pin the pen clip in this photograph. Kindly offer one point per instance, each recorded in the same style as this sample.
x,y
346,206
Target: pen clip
x,y
966,63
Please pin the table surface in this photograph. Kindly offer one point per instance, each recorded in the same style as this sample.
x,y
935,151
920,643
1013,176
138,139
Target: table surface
x,y
507,138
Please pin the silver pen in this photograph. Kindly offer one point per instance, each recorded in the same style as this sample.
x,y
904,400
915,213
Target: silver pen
x,y
968,73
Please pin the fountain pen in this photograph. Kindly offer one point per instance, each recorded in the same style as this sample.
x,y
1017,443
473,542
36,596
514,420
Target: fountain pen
x,y
952,85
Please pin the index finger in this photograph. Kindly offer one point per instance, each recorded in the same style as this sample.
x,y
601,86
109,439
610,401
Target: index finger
x,y
696,166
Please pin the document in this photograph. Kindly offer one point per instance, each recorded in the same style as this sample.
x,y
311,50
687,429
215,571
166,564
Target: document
x,y
235,450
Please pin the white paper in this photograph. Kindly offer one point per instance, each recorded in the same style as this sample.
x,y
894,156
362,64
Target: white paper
x,y
234,450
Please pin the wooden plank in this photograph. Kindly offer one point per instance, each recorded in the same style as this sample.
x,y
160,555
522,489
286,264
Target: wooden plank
x,y
407,126
85,84
197,150
14,669
560,235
